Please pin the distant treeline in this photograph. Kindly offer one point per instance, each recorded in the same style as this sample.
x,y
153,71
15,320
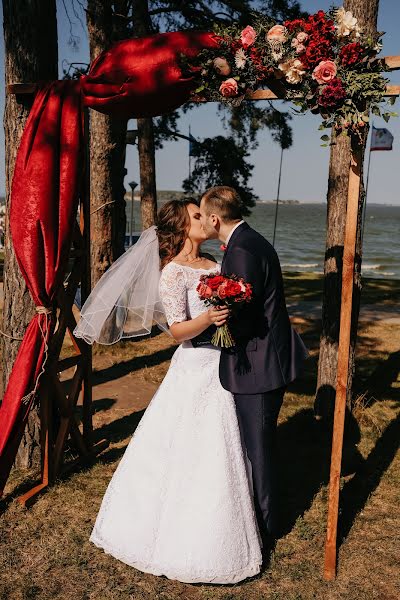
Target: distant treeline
x,y
165,195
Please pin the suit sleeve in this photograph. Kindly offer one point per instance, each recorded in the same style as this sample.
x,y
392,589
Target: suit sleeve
x,y
240,262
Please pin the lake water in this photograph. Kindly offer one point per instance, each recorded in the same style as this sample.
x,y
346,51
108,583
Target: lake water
x,y
300,237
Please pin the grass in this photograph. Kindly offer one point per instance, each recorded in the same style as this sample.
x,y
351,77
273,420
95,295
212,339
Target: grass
x,y
309,286
45,552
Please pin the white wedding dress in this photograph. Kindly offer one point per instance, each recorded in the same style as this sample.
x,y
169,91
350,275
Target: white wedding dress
x,y
180,502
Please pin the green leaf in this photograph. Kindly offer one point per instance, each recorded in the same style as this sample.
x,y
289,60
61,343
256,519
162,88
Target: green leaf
x,y
325,138
199,89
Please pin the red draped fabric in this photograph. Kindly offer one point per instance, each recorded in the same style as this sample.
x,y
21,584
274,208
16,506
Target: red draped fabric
x,y
141,77
134,78
44,196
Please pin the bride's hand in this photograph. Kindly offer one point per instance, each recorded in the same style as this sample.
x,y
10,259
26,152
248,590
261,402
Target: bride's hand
x,y
217,316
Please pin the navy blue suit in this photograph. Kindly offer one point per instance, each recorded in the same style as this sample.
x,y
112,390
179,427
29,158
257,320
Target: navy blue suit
x,y
267,356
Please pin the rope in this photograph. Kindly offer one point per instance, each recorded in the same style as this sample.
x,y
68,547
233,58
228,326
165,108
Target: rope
x,y
101,206
41,310
11,337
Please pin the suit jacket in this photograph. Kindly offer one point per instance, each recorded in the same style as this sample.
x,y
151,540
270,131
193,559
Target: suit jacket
x,y
268,352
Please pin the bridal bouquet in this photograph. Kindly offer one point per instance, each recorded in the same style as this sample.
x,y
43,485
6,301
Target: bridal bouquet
x,y
220,290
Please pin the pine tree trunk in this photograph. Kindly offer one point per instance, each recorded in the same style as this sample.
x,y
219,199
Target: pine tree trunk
x,y
147,166
30,36
107,154
146,149
366,11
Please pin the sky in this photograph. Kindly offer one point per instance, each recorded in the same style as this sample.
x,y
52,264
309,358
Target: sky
x,y
305,164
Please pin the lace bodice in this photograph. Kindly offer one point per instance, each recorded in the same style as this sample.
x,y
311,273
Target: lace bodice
x,y
178,294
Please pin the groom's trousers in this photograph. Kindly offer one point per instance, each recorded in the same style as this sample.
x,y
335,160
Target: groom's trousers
x,y
258,416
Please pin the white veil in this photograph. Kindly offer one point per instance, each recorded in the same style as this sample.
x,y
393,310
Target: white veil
x,y
126,300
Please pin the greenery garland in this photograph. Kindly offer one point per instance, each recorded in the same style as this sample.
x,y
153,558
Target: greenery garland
x,y
323,63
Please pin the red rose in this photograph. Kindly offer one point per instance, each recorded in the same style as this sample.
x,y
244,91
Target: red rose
x,y
351,54
215,282
317,50
333,94
321,37
295,24
249,291
229,289
233,288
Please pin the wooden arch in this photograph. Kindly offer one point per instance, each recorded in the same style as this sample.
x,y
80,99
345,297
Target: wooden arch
x,y
53,398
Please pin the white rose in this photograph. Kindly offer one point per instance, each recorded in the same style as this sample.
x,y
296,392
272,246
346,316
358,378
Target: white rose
x,y
346,23
293,70
302,36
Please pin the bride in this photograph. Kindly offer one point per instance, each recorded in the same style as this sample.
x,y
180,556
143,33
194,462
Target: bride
x,y
180,502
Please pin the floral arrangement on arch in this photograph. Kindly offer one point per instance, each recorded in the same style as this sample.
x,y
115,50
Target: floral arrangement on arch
x,y
325,63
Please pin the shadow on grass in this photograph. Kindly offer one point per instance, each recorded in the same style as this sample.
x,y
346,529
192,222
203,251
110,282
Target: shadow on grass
x,y
356,492
309,287
115,432
304,465
304,462
134,364
383,373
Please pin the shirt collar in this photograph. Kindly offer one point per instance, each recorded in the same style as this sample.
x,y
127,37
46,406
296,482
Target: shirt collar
x,y
232,230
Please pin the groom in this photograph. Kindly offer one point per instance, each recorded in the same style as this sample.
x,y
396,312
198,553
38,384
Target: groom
x,y
268,353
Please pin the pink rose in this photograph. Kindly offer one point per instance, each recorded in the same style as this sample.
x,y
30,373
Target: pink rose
x,y
324,72
248,36
222,290
302,37
221,65
229,88
295,43
300,48
204,291
277,33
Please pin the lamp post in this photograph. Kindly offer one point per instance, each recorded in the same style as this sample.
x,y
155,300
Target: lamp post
x,y
131,136
132,184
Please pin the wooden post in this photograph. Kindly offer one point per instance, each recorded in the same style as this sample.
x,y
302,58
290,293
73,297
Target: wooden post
x,y
343,362
86,287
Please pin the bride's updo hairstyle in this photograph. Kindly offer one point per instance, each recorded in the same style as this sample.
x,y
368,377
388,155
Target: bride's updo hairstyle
x,y
173,224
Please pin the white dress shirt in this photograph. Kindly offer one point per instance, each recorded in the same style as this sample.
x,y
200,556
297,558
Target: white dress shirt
x,y
232,230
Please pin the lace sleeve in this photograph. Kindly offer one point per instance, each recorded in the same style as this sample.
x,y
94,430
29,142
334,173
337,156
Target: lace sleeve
x,y
173,293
